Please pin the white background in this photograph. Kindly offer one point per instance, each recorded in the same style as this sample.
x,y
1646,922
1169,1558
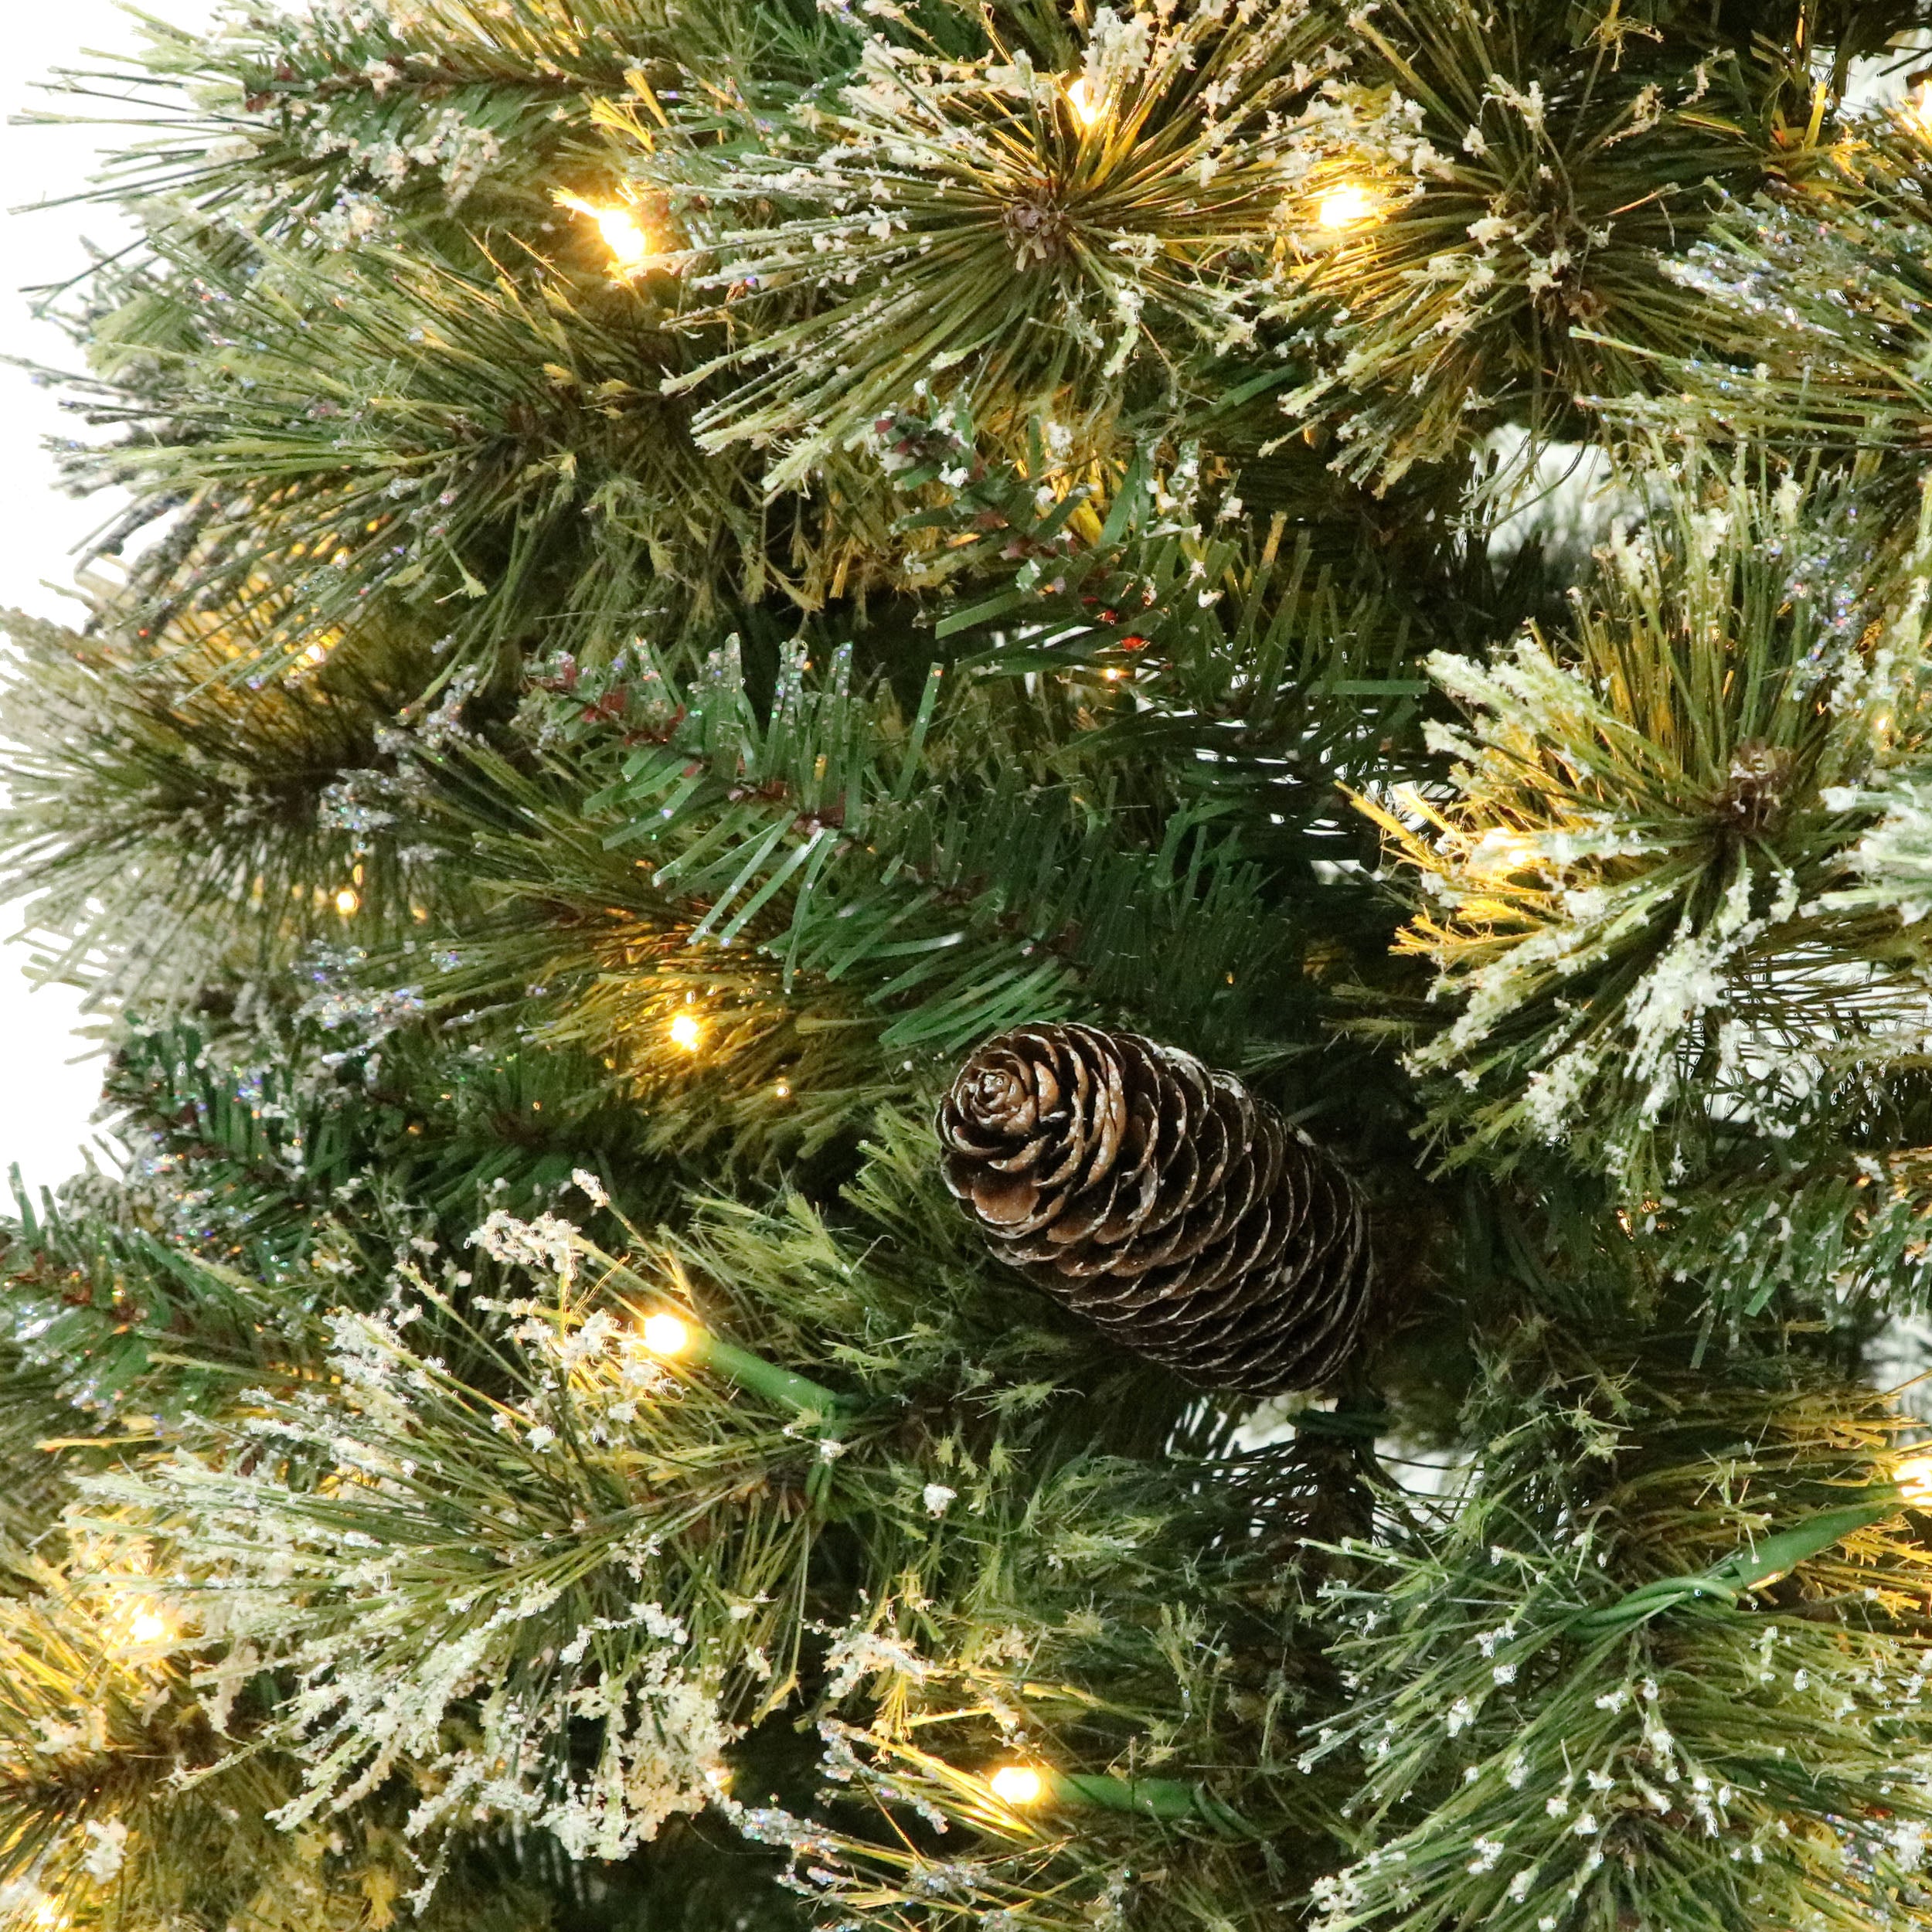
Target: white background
x,y
47,1091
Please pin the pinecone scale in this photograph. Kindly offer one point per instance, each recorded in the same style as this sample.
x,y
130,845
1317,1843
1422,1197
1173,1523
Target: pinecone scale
x,y
1161,1200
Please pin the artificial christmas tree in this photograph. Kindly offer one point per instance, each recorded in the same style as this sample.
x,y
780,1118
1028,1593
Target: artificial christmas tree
x,y
743,622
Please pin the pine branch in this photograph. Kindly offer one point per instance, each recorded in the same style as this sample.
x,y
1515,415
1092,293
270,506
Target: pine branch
x,y
827,891
1517,182
124,1802
983,226
172,820
1241,670
1812,299
384,423
636,1541
452,120
1633,893
1514,1765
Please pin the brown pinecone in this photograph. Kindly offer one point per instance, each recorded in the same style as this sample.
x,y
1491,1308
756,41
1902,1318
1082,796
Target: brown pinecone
x,y
1161,1200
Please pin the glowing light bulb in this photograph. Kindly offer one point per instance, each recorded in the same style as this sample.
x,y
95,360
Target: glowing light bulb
x,y
1017,1785
1347,206
1089,109
348,902
664,1335
781,1090
624,236
1914,1477
627,239
47,1913
148,1627
1916,107
1500,854
687,1031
